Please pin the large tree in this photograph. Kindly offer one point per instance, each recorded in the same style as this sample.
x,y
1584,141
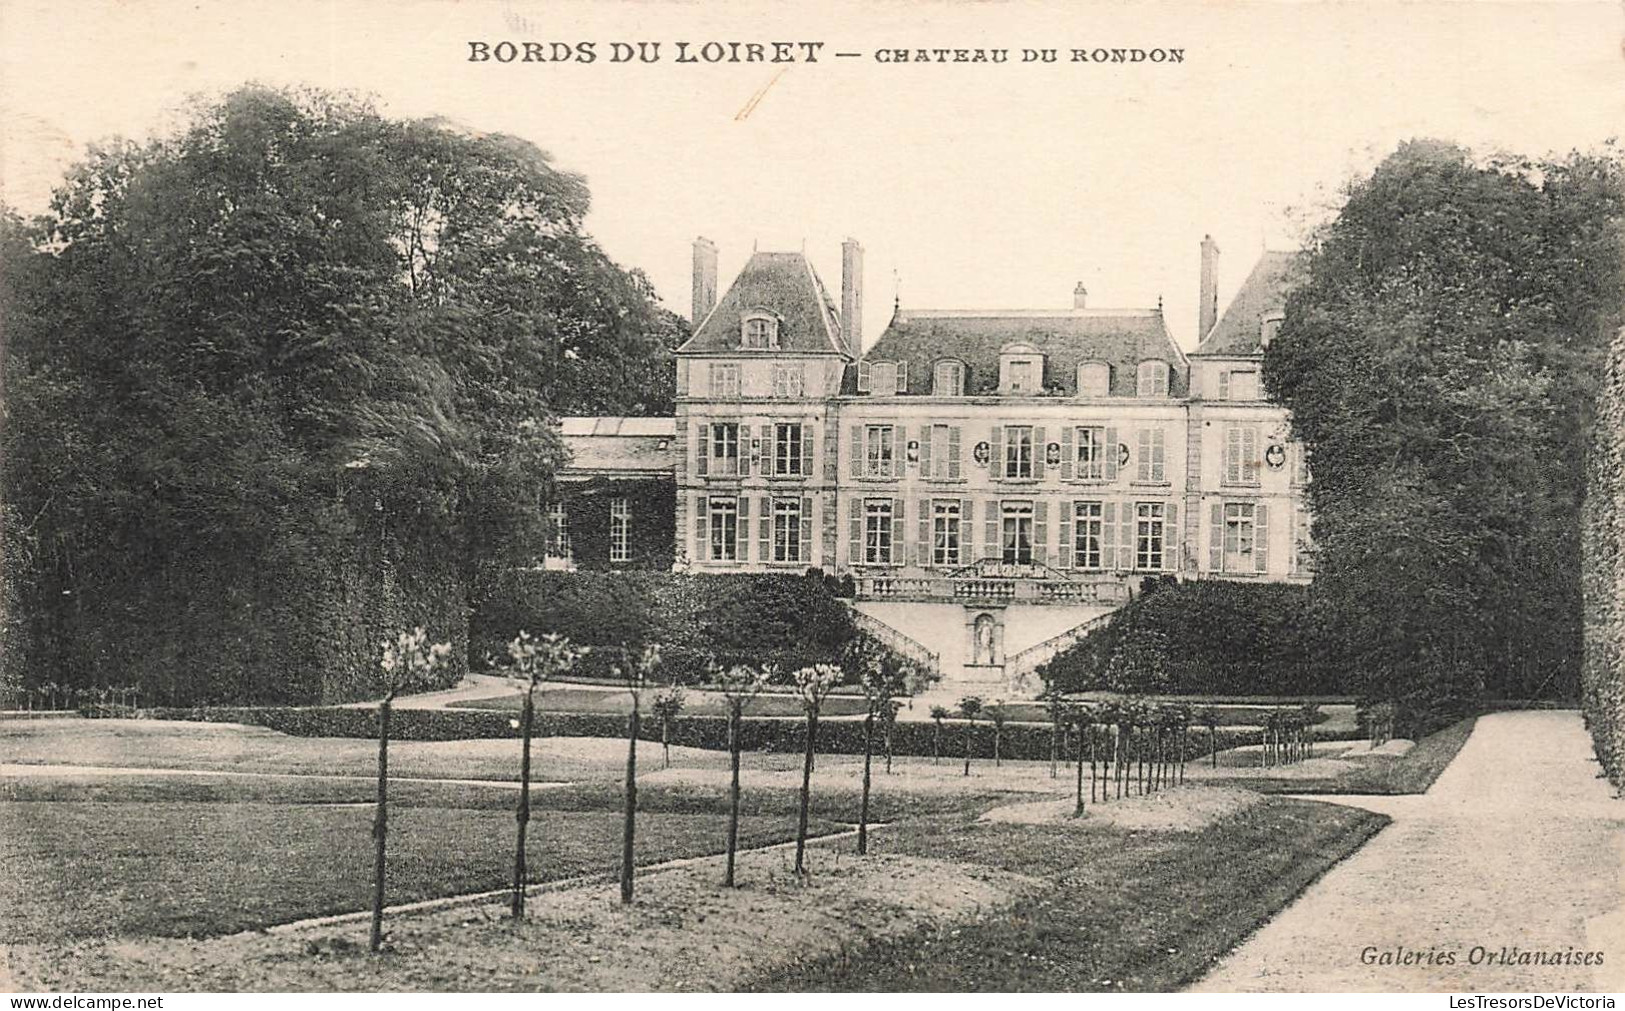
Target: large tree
x,y
283,381
1439,362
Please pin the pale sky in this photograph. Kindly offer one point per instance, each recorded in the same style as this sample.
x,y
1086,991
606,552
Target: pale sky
x,y
974,185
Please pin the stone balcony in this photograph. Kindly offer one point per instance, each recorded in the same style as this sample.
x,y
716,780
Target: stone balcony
x,y
994,583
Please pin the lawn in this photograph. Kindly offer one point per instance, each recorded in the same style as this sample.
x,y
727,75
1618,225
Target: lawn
x,y
695,703
1119,910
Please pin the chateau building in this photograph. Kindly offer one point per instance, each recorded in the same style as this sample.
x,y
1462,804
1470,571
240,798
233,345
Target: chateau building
x,y
994,481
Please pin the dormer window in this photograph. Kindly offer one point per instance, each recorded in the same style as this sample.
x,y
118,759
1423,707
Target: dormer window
x,y
1094,379
759,332
948,379
883,379
1152,379
1021,370
1269,324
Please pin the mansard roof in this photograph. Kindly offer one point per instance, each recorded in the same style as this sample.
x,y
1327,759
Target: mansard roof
x,y
1265,290
1122,338
786,286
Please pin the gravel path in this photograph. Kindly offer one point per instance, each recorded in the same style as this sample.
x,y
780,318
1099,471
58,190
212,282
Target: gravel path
x,y
1518,846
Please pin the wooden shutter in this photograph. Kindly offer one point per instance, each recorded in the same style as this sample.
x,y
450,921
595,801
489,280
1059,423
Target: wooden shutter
x,y
1224,384
1038,451
1109,465
1232,455
1251,466
806,529
1159,454
1108,535
856,469
863,377
991,548
925,451
925,533
1142,465
1063,556
1215,538
1066,453
854,546
806,449
1041,532
1172,539
902,377
702,455
742,529
744,458
702,527
1261,538
996,461
1126,537
899,527
953,452
967,526
899,450
764,531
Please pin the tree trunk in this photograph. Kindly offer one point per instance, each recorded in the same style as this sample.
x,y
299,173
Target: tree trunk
x,y
1054,746
380,826
522,810
891,723
733,792
998,741
1078,810
863,806
1213,746
1091,733
936,745
629,826
806,795
665,742
970,729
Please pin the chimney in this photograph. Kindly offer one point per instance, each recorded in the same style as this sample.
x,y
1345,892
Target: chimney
x,y
705,279
1080,297
1208,305
852,295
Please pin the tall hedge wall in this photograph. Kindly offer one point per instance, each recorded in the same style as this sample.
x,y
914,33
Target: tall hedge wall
x,y
791,620
1209,637
1602,678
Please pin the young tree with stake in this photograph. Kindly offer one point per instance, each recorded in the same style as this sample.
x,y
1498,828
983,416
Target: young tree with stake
x,y
884,677
668,703
969,707
534,661
938,714
740,685
813,684
636,673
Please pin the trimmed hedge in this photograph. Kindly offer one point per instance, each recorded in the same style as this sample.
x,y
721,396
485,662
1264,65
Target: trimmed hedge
x,y
1602,675
777,734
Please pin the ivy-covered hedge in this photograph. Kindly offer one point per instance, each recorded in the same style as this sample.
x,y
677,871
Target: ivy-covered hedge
x,y
1204,637
1602,678
791,620
788,735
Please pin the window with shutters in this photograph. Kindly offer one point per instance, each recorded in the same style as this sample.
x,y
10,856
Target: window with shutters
x,y
787,546
1151,467
879,451
1088,535
788,450
788,380
558,539
1094,379
620,529
1148,535
1243,386
1152,380
877,531
1240,535
1241,463
1018,451
725,448
942,446
945,532
883,378
724,379
1016,532
1091,450
724,531
948,379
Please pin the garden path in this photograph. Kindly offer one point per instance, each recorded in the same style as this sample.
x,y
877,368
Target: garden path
x,y
1518,845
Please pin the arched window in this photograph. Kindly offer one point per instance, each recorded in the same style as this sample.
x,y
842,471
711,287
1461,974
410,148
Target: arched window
x,y
1094,379
948,379
759,331
1153,379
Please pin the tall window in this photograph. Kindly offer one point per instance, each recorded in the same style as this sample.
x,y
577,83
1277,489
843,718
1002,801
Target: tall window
x,y
1094,379
724,530
787,546
1023,376
787,448
1238,385
1091,462
944,453
724,379
1017,540
1088,533
1240,535
883,378
1018,451
1153,456
788,380
879,451
1241,454
558,541
759,333
725,448
945,527
1153,379
877,542
620,529
1148,536
948,379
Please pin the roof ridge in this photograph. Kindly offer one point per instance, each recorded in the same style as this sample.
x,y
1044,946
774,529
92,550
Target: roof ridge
x,y
1103,313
